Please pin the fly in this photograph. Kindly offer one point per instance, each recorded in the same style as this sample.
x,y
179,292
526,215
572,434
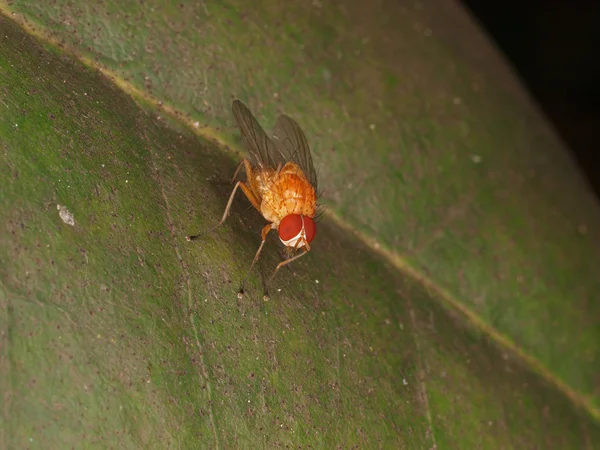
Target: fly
x,y
281,183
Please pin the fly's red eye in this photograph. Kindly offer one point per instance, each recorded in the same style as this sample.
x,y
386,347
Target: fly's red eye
x,y
290,227
310,229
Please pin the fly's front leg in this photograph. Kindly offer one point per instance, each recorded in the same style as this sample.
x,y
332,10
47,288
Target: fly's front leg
x,y
279,266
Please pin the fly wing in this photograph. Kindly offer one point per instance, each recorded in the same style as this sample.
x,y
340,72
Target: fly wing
x,y
265,153
291,141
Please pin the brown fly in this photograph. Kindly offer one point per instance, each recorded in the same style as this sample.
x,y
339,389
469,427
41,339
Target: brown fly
x,y
281,183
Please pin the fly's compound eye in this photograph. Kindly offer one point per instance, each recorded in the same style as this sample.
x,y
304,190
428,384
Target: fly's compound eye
x,y
290,229
310,229
295,229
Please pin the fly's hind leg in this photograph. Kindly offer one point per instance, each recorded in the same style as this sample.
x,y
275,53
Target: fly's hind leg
x,y
247,190
225,214
250,195
249,187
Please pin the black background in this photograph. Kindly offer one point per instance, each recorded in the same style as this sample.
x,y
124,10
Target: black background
x,y
555,48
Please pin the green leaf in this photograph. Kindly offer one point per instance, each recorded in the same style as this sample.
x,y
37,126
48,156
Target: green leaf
x,y
118,332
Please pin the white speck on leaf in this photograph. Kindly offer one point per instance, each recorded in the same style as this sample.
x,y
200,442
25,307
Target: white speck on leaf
x,y
404,382
476,159
65,215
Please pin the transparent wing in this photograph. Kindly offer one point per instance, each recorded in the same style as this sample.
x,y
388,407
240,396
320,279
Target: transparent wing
x,y
265,153
292,143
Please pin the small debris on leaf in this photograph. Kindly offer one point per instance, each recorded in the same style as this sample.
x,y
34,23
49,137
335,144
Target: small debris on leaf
x,y
65,215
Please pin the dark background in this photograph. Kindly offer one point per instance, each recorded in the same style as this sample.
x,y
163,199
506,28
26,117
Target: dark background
x,y
555,48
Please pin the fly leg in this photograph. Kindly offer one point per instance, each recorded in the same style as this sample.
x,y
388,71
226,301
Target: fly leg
x,y
264,233
225,214
221,182
279,266
247,191
288,252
